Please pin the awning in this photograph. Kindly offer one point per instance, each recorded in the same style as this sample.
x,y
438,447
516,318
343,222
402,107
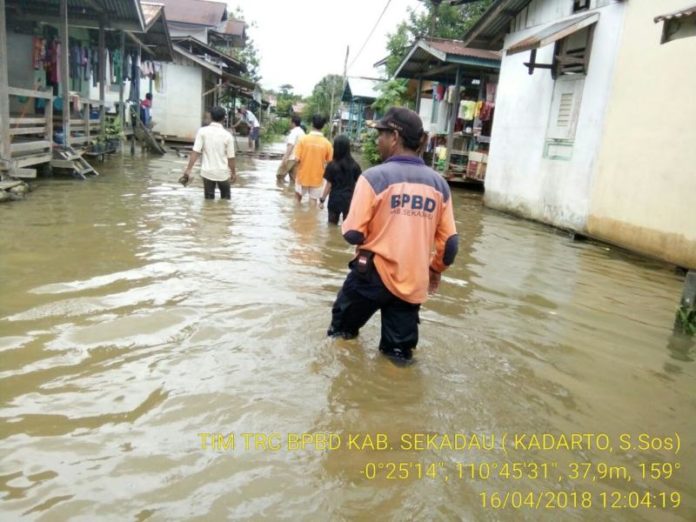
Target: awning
x,y
679,24
238,80
200,61
553,32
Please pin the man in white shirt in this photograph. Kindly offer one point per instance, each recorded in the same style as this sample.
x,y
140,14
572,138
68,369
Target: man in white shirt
x,y
216,145
289,163
254,126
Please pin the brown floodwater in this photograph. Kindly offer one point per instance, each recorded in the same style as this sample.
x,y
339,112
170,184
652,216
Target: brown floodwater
x,y
138,322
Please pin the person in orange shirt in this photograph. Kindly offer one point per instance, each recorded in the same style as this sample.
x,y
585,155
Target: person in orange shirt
x,y
312,153
401,212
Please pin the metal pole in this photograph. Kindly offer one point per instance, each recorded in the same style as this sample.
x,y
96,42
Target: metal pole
x,y
5,151
453,118
65,70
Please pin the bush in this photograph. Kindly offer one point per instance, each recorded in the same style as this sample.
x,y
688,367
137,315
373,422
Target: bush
x,y
367,141
275,129
279,126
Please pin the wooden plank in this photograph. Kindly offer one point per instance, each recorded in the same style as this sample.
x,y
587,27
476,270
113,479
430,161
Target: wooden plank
x,y
29,146
14,91
102,71
79,139
27,130
6,185
4,98
33,160
75,124
27,121
62,164
24,173
65,68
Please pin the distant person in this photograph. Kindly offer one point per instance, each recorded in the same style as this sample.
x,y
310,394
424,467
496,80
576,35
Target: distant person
x,y
288,163
146,110
312,153
400,214
216,145
341,174
254,126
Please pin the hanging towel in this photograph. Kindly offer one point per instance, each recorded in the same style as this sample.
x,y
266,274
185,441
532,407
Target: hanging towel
x,y
477,110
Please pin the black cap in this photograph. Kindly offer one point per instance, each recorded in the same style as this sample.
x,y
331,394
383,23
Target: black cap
x,y
403,120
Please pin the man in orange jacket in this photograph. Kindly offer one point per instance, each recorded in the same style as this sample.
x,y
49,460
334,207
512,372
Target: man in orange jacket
x,y
401,211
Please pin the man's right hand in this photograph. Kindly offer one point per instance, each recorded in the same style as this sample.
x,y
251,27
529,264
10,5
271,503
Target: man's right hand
x,y
434,282
233,176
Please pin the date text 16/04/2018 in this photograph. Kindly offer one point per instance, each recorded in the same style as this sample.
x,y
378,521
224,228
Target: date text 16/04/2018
x,y
552,500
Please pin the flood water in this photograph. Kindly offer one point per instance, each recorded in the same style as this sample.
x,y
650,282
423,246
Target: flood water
x,y
135,318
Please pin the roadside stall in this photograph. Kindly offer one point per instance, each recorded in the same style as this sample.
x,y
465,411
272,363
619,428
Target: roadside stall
x,y
455,92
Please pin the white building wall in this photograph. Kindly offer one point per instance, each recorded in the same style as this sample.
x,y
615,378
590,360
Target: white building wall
x,y
644,191
520,177
178,111
177,107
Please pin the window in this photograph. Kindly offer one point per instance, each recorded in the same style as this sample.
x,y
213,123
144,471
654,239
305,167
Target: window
x,y
565,107
571,54
580,5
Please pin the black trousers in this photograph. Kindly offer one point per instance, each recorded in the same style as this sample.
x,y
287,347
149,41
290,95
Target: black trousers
x,y
209,188
357,301
339,205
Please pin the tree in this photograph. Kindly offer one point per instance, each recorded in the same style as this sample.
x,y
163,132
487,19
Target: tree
x,y
393,93
325,97
439,19
286,100
248,54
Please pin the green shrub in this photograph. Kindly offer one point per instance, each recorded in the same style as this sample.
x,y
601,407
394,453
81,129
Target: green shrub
x,y
275,129
686,320
367,141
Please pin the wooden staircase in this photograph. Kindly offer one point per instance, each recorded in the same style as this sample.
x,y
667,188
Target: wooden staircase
x,y
68,159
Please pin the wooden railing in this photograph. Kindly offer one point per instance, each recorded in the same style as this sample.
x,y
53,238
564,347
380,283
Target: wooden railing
x,y
85,126
26,148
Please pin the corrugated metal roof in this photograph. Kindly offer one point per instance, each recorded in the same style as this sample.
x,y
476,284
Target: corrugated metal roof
x,y
553,32
232,27
232,32
151,12
438,59
457,47
688,11
119,14
199,60
209,54
361,88
156,37
490,30
196,12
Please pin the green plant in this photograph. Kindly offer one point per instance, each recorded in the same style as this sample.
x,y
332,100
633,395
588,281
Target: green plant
x,y
393,94
275,129
114,130
368,146
686,319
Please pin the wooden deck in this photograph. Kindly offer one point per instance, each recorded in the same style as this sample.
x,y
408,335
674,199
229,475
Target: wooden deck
x,y
30,136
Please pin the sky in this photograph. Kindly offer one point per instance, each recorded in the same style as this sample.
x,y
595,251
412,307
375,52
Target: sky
x,y
301,41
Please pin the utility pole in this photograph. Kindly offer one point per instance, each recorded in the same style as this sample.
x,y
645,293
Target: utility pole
x,y
343,86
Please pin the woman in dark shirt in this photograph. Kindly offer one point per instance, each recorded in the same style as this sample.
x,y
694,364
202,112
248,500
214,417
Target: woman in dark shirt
x,y
340,174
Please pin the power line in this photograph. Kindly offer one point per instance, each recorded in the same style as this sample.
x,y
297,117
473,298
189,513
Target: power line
x,y
370,35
